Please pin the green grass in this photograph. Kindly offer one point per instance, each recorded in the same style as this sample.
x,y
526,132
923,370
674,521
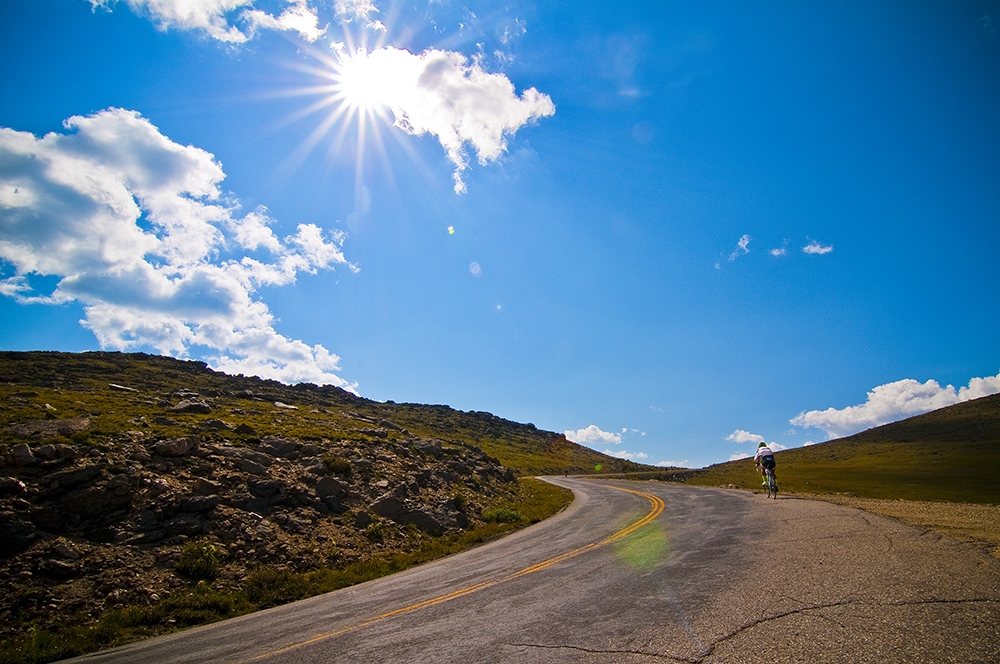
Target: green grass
x,y
949,455
266,586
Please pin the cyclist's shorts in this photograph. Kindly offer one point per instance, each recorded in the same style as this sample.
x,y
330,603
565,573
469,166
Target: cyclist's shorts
x,y
767,461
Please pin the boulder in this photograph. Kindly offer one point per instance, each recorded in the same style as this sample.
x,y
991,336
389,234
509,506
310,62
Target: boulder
x,y
66,550
67,452
45,429
252,467
213,424
192,406
362,519
65,479
176,447
429,447
47,452
205,487
329,486
423,520
388,506
255,456
281,447
199,503
96,501
23,455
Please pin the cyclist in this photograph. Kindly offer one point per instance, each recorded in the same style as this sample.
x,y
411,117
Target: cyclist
x,y
764,459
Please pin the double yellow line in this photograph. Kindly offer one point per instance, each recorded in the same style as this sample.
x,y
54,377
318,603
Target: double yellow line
x,y
655,511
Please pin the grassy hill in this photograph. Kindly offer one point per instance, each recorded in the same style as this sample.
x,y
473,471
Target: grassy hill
x,y
78,384
141,494
951,454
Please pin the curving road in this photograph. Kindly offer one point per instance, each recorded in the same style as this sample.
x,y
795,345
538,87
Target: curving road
x,y
645,572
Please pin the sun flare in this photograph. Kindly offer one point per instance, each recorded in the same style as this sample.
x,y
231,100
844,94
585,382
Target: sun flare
x,y
358,84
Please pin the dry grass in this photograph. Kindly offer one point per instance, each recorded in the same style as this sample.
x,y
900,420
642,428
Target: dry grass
x,y
962,521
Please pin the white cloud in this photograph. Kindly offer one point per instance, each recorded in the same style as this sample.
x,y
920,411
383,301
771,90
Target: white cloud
x,y
741,436
441,93
892,402
359,11
736,456
593,434
673,464
622,454
296,18
741,245
815,247
776,447
216,17
137,230
782,250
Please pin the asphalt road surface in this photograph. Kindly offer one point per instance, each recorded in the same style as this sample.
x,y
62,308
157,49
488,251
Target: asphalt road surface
x,y
645,572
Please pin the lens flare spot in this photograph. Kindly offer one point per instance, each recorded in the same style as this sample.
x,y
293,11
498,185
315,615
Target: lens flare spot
x,y
598,467
644,548
475,269
451,230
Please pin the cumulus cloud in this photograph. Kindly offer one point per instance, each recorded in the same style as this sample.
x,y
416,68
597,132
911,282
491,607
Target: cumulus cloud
x,y
892,402
815,247
736,456
217,18
297,17
442,93
136,229
673,464
741,436
622,454
592,434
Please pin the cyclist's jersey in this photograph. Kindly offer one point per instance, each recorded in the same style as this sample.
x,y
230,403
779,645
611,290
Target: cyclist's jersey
x,y
763,452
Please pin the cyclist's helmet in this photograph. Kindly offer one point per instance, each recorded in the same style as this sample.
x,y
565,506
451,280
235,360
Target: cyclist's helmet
x,y
761,445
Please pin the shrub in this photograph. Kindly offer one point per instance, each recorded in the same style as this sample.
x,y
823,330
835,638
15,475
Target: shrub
x,y
199,560
338,466
270,586
374,532
502,515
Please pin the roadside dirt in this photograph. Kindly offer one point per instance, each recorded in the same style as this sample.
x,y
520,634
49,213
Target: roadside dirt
x,y
962,521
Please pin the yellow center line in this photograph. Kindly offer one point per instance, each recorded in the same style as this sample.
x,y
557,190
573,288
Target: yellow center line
x,y
657,508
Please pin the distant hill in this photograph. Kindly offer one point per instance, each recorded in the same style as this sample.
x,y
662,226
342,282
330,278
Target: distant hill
x,y
951,454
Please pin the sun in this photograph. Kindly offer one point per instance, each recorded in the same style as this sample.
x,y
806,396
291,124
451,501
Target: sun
x,y
359,86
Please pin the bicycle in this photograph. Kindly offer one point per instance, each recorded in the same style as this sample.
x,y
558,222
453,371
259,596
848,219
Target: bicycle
x,y
772,484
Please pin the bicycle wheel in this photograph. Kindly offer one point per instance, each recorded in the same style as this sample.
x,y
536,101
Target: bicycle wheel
x,y
772,484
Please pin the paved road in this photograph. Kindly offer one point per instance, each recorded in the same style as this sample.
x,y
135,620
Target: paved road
x,y
645,573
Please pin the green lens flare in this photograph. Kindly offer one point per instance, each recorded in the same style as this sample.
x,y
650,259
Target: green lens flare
x,y
644,548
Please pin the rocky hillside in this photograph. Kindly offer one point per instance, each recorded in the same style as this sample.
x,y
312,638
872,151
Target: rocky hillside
x,y
127,477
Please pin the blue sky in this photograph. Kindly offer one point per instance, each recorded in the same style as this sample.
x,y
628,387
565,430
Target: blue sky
x,y
670,230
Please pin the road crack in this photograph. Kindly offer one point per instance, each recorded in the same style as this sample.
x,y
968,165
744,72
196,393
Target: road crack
x,y
604,651
833,605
